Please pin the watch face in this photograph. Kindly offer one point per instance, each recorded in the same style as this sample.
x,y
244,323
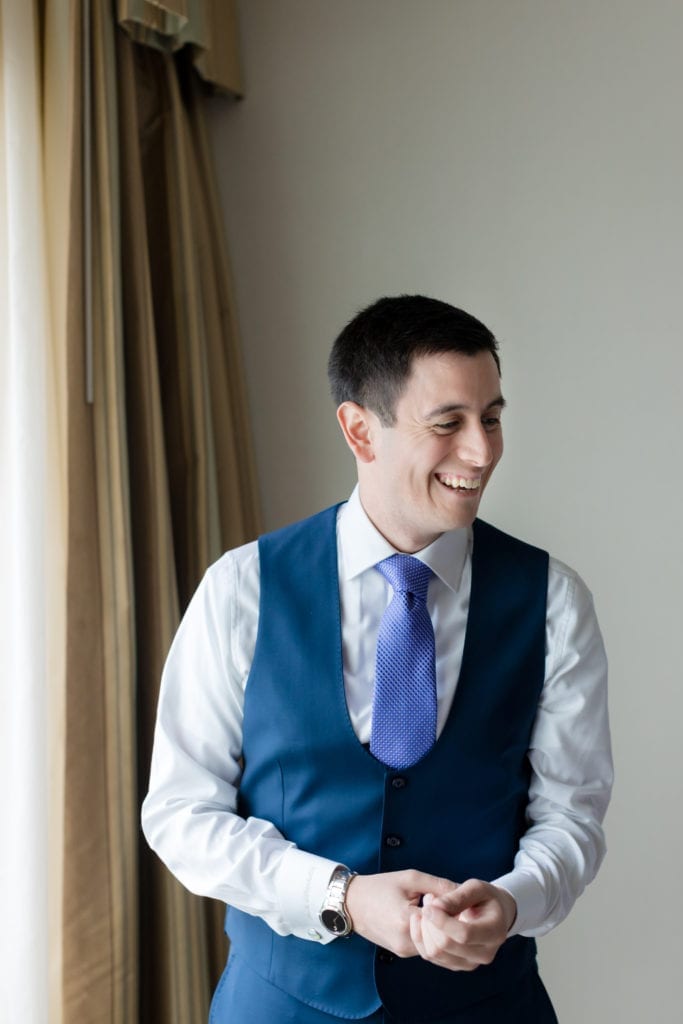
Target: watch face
x,y
333,921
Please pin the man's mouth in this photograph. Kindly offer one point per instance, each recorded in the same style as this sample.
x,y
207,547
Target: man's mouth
x,y
459,483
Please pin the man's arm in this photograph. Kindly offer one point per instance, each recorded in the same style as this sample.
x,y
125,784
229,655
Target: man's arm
x,y
189,816
563,847
571,761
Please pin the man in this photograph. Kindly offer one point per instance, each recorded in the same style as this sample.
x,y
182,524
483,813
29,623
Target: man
x,y
382,732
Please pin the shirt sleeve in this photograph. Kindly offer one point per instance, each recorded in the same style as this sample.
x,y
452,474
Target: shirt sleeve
x,y
189,816
570,755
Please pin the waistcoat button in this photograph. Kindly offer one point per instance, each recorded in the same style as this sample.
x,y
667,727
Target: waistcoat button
x,y
398,782
385,957
393,841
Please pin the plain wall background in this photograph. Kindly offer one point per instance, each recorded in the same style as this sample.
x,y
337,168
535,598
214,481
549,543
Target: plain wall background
x,y
522,159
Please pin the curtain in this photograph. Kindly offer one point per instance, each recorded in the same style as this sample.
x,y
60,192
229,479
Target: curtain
x,y
34,182
126,468
162,464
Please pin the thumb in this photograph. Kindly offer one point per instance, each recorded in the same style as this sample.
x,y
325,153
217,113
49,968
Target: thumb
x,y
460,898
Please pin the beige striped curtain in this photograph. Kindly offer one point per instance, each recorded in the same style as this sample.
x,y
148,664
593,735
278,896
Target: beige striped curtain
x,y
160,481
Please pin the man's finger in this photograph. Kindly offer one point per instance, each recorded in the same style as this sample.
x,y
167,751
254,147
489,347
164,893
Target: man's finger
x,y
461,897
424,885
466,934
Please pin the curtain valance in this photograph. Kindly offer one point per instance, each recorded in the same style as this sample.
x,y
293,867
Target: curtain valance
x,y
208,27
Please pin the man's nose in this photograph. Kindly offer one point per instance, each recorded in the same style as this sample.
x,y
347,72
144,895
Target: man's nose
x,y
474,446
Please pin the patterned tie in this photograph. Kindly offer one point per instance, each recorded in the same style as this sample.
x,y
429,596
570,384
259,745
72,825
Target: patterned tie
x,y
404,706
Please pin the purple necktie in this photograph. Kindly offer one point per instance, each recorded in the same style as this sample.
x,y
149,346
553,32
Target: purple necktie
x,y
404,705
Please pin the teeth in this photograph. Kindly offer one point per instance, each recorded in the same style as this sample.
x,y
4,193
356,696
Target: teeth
x,y
460,482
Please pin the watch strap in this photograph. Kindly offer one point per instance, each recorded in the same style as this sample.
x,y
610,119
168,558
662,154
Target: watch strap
x,y
334,904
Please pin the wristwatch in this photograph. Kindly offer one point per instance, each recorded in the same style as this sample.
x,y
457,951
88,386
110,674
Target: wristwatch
x,y
334,916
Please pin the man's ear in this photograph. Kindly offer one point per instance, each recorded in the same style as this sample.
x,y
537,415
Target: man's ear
x,y
357,424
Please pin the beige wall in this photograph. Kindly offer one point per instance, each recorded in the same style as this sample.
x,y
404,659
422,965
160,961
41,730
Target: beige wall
x,y
523,159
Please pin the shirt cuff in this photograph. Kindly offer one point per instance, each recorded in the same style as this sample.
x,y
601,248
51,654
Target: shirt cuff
x,y
301,883
529,896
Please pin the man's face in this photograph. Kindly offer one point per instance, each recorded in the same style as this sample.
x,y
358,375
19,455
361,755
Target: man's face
x,y
426,473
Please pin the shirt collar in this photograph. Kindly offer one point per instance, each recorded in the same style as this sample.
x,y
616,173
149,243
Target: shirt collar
x,y
362,546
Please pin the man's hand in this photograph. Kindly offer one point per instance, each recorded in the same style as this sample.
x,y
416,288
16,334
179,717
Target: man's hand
x,y
465,927
381,906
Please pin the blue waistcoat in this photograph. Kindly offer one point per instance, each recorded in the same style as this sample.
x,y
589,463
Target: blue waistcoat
x,y
459,813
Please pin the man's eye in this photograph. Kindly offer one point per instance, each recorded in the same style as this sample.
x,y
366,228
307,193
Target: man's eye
x,y
447,426
491,422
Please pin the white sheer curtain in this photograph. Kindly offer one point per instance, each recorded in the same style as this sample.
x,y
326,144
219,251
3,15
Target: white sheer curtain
x,y
31,535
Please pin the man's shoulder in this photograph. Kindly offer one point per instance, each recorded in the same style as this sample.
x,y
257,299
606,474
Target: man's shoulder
x,y
245,558
486,533
302,532
561,576
234,562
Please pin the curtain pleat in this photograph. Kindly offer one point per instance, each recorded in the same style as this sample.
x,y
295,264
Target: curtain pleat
x,y
161,481
100,857
56,36
237,506
32,519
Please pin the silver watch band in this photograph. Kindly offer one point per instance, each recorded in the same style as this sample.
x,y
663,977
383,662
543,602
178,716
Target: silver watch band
x,y
334,916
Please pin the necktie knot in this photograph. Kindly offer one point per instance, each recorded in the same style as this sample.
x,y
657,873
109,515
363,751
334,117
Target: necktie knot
x,y
406,575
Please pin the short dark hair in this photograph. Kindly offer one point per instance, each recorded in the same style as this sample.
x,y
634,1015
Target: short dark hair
x,y
372,357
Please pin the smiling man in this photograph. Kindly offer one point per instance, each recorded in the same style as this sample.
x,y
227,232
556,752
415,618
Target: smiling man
x,y
382,733
423,469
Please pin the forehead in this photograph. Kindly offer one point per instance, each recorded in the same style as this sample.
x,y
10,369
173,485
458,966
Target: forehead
x,y
449,380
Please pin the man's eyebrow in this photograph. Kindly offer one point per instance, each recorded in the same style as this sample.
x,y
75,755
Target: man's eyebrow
x,y
444,410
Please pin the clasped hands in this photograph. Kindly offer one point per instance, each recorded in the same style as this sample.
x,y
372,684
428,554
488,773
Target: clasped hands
x,y
410,913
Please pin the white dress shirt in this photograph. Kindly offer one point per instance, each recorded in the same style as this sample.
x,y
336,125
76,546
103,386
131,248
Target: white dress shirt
x,y
189,814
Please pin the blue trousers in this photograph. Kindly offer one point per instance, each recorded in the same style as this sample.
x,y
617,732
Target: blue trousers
x,y
242,997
